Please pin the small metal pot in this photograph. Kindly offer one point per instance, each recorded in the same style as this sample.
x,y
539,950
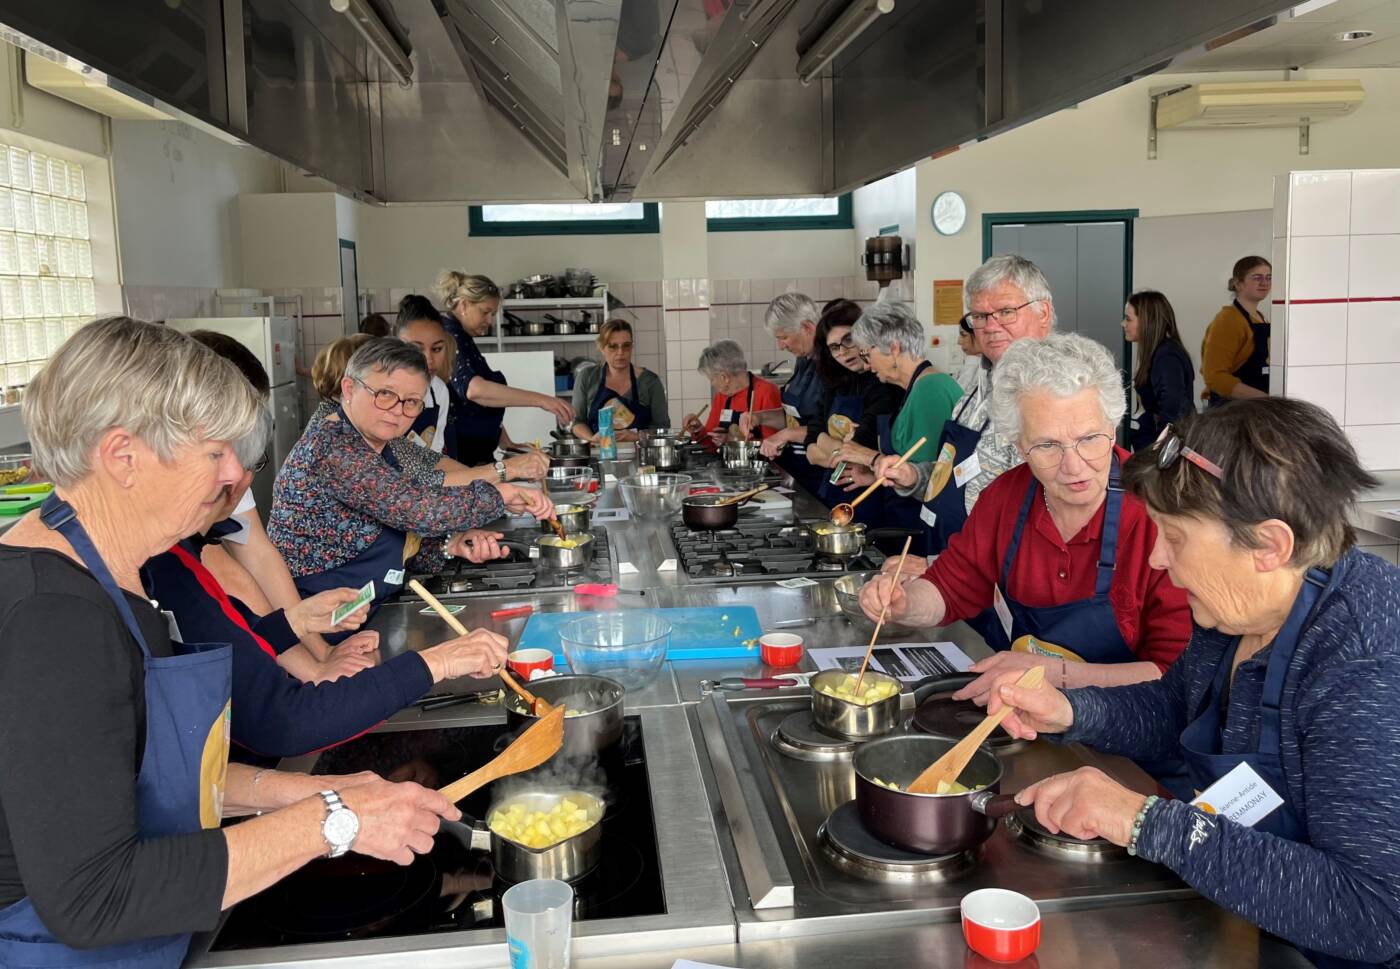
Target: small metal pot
x,y
537,286
569,462
565,327
661,454
854,720
837,541
934,824
565,557
739,451
570,447
574,518
536,328
756,466
598,700
567,860
654,434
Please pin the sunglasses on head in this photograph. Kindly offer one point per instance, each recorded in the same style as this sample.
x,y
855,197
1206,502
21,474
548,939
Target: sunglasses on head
x,y
1171,448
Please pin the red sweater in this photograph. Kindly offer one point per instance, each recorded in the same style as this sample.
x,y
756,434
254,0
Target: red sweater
x,y
1152,613
766,396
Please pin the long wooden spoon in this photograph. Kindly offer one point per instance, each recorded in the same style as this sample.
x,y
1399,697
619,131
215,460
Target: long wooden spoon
x,y
536,705
526,752
950,766
876,634
735,499
844,512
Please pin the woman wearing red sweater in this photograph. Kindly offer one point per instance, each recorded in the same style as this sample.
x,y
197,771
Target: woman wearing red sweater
x,y
736,391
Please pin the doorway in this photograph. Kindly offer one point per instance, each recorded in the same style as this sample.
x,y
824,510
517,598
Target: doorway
x,y
1088,259
349,287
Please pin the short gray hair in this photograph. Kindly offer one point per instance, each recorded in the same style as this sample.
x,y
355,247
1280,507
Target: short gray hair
x,y
250,448
1062,364
723,357
387,355
1016,270
787,313
882,325
157,383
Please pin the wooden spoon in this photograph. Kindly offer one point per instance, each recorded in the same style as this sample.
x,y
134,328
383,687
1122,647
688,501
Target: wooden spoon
x,y
536,705
844,512
558,528
735,499
876,634
950,766
526,752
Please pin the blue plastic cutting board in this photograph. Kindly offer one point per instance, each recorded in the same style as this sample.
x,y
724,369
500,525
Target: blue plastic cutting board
x,y
697,632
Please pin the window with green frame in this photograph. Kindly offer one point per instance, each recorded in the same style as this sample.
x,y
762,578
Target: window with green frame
x,y
563,219
760,215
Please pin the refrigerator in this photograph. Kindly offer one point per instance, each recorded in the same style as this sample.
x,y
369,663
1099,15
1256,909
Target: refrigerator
x,y
273,340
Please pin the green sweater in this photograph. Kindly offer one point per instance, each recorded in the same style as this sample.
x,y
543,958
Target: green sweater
x,y
929,404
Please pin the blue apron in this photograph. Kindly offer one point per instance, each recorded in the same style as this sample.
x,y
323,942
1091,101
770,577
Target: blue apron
x,y
382,562
179,788
1200,741
425,426
846,405
945,503
641,414
895,509
478,427
1254,372
804,394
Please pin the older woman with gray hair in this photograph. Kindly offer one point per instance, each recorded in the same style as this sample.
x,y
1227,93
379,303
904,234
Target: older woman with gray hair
x,y
343,512
1286,691
737,391
1008,299
135,424
791,318
1052,567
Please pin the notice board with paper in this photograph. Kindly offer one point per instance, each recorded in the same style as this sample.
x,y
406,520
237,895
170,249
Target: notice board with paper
x,y
947,301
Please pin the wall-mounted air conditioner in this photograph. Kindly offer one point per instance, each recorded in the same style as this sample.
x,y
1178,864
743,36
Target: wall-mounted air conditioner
x,y
1258,104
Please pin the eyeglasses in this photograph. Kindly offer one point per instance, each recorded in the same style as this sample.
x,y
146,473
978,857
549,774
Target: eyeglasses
x,y
619,346
261,463
1170,448
1003,316
1051,454
847,342
386,399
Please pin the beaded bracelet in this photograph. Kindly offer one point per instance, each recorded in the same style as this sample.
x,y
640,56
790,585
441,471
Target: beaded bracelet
x,y
1137,822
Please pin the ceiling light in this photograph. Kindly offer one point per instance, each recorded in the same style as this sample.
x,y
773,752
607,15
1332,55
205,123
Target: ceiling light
x,y
1347,36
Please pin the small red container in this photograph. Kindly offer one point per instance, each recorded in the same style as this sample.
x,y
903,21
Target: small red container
x,y
1002,926
780,649
524,662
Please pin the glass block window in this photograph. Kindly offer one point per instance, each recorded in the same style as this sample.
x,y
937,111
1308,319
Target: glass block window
x,y
46,286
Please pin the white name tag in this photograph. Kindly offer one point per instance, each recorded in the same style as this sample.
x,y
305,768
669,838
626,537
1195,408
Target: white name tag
x,y
173,626
534,552
967,470
726,417
792,411
1003,610
394,577
1241,795
1265,371
927,516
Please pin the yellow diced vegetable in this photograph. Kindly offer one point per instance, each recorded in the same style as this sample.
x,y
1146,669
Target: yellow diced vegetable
x,y
872,691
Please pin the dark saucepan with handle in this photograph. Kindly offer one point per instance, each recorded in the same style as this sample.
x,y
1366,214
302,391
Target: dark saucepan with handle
x,y
933,824
705,511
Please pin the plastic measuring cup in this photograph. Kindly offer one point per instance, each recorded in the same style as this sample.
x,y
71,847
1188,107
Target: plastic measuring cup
x,y
539,922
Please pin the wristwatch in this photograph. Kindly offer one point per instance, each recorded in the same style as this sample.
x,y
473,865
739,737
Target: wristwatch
x,y
341,826
501,470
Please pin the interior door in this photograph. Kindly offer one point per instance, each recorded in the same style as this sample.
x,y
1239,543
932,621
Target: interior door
x,y
349,286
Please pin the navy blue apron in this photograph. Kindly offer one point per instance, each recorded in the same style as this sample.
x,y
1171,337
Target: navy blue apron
x,y
897,510
803,393
641,414
179,789
1200,741
382,562
846,405
944,510
1254,372
478,427
425,425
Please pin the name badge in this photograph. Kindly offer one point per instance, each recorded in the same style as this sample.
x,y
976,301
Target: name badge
x,y
967,470
1265,371
1003,611
1241,795
726,416
927,516
394,577
792,411
173,626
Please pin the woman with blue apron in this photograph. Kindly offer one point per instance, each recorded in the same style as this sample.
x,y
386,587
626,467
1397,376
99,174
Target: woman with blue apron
x,y
436,427
1254,372
802,401
831,494
944,510
641,414
897,509
382,562
179,786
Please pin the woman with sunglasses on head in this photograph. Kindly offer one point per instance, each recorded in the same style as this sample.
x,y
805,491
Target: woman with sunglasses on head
x,y
1052,566
1235,349
344,513
1289,680
1165,377
636,397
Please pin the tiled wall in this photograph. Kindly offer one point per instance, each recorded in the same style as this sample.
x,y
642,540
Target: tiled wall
x,y
1336,311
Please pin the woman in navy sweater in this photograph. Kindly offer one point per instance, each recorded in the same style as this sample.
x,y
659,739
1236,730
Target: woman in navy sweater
x,y
1165,378
1291,675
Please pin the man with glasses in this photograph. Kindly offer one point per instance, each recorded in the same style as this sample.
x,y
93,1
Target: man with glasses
x,y
1053,565
1008,299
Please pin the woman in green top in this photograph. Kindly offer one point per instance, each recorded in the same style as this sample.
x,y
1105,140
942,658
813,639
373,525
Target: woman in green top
x,y
892,341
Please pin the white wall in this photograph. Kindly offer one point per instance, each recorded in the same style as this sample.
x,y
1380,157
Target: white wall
x,y
289,240
890,201
1188,257
806,252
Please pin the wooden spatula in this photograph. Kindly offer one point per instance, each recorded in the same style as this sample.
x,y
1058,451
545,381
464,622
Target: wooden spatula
x,y
536,705
528,751
950,766
744,496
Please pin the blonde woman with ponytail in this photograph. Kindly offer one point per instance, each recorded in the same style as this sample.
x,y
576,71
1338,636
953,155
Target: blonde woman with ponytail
x,y
471,302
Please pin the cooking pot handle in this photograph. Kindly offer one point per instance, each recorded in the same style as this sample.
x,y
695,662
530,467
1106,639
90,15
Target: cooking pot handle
x,y
474,836
993,805
941,683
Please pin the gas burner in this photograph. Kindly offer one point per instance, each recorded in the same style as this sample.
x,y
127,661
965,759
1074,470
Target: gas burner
x,y
799,736
1024,825
855,850
956,718
830,565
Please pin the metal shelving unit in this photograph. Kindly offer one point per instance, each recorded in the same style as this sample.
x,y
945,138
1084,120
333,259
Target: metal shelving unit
x,y
598,304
